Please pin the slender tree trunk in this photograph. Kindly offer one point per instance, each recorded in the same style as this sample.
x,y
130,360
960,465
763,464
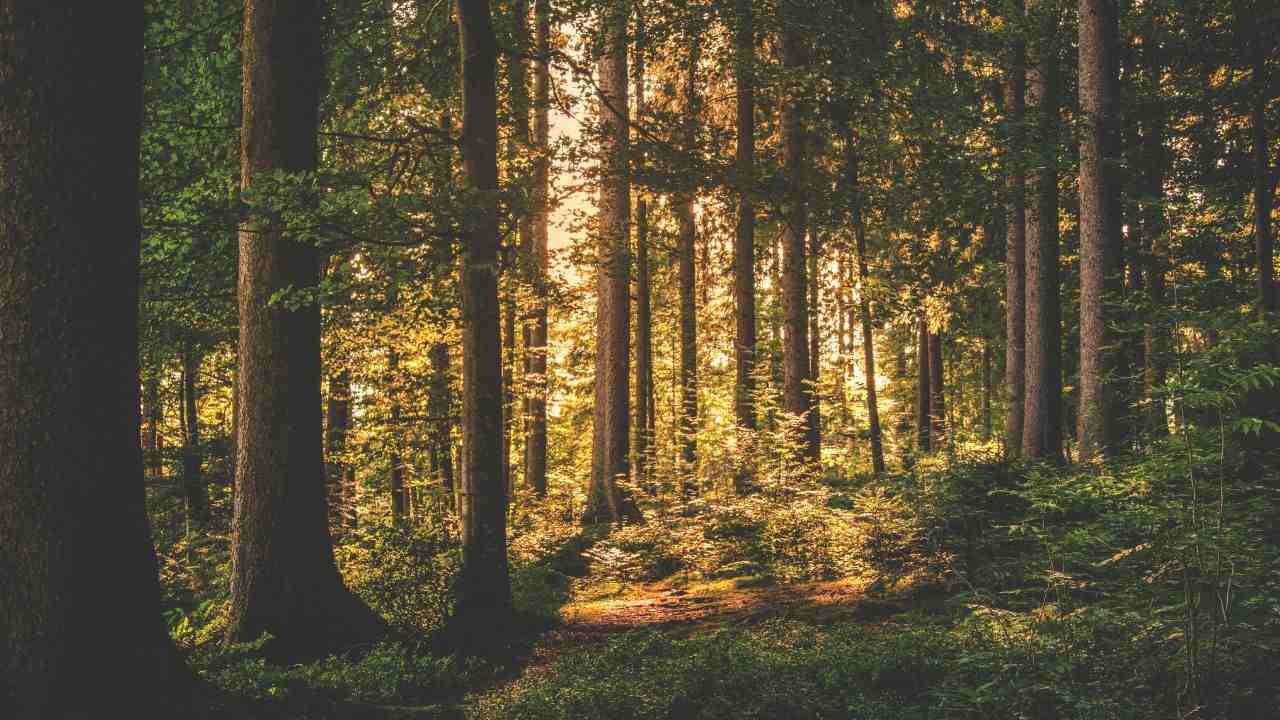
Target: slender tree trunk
x,y
937,393
527,262
1150,220
439,413
1264,186
798,397
483,586
80,627
986,388
1100,245
924,435
815,329
868,341
1042,407
606,500
744,254
535,471
339,411
153,412
641,461
283,577
686,251
395,431
1015,249
194,491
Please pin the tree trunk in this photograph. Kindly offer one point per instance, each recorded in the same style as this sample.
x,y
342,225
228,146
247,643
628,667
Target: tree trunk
x,y
868,341
1264,186
535,468
937,393
606,500
195,494
394,432
798,392
1015,248
439,414
81,630
1100,248
483,585
815,329
924,426
283,578
686,251
339,411
986,388
744,254
1042,406
152,441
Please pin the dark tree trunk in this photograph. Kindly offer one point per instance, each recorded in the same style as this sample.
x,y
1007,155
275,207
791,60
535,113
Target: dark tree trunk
x,y
508,393
924,427
1015,248
283,578
986,388
686,250
798,397
483,586
1264,185
339,411
642,451
80,627
868,340
1042,405
815,330
195,494
606,500
1100,246
394,432
535,468
1154,248
937,393
439,413
152,441
744,253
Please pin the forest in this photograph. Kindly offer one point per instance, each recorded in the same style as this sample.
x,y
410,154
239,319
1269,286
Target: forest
x,y
661,359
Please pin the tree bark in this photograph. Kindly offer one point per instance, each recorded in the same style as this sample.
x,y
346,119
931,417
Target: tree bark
x,y
606,501
1015,247
535,469
195,494
924,426
744,282
394,432
798,397
339,411
1100,244
283,579
1042,408
937,393
80,627
483,586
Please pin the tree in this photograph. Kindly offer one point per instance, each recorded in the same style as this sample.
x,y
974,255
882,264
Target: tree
x,y
1042,408
798,394
1015,243
686,247
937,392
1100,256
642,461
744,253
924,425
440,415
341,490
611,421
197,496
284,580
535,469
864,313
483,587
80,628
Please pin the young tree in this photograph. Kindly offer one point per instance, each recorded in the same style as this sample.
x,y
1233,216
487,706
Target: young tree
x,y
1100,250
80,628
1015,241
339,411
642,460
283,576
195,494
864,313
606,501
924,426
686,248
1042,408
937,392
483,587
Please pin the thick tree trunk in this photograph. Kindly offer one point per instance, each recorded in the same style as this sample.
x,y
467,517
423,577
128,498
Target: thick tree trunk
x,y
744,254
80,627
483,586
1100,245
606,501
798,391
195,494
1042,405
1015,249
924,426
868,340
937,393
283,578
535,464
339,411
